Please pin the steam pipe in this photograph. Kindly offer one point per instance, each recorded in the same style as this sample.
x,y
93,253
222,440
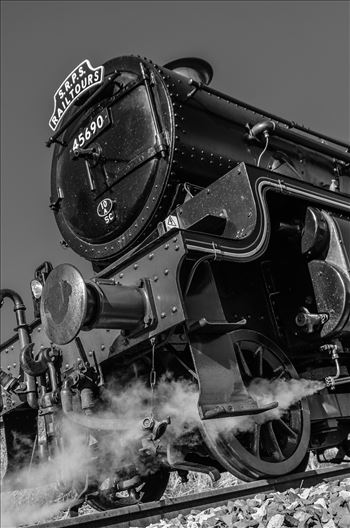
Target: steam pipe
x,y
24,339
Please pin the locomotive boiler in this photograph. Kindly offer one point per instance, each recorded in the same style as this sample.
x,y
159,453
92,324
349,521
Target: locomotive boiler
x,y
219,237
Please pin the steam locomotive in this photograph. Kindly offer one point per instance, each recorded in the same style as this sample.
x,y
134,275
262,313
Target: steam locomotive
x,y
219,237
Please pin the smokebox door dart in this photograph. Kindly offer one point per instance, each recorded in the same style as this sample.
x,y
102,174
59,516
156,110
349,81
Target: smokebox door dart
x,y
212,333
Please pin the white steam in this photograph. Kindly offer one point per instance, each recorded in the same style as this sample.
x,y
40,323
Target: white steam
x,y
174,398
263,391
14,515
285,392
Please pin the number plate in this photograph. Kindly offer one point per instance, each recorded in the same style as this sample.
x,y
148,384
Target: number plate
x,y
94,128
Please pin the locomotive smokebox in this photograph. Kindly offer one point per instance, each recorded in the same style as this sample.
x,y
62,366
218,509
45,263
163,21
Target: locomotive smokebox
x,y
69,305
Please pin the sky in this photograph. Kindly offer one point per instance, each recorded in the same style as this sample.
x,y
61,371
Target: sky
x,y
288,57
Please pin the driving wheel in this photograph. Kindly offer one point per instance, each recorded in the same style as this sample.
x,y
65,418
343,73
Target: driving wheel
x,y
269,444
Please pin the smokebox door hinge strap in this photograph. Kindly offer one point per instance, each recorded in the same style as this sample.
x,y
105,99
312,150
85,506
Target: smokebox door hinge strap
x,y
121,172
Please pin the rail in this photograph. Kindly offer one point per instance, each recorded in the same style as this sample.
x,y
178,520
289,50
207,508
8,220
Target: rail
x,y
142,515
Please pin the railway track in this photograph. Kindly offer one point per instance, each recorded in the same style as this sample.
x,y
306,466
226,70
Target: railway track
x,y
144,514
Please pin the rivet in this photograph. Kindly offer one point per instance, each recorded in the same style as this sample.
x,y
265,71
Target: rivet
x,y
103,347
163,314
67,366
90,353
150,256
177,248
175,239
136,266
6,351
166,271
208,191
121,275
39,329
166,246
174,309
155,278
8,367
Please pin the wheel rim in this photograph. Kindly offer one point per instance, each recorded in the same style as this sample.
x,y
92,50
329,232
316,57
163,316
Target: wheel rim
x,y
275,447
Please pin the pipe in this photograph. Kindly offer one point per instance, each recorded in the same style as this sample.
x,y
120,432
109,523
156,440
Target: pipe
x,y
24,339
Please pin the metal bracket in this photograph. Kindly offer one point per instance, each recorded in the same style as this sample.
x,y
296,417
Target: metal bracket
x,y
87,104
222,392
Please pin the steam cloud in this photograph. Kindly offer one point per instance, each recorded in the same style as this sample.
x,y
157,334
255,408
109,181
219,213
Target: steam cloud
x,y
263,391
177,399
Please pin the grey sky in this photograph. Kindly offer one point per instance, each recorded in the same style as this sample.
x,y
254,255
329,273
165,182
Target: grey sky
x,y
291,58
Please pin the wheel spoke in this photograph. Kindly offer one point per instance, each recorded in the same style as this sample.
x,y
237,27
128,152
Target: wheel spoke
x,y
277,453
244,364
260,352
279,373
256,441
291,432
269,448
